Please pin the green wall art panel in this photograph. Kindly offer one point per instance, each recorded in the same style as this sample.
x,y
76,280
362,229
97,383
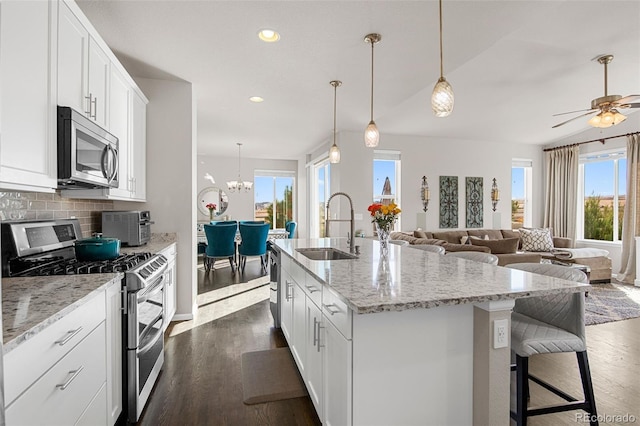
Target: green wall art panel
x,y
448,201
474,202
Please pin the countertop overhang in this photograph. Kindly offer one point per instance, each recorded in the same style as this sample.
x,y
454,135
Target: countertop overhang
x,y
414,278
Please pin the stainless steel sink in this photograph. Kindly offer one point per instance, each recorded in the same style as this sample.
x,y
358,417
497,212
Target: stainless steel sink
x,y
325,253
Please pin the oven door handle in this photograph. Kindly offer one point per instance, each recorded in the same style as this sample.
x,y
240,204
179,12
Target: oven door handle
x,y
155,288
141,351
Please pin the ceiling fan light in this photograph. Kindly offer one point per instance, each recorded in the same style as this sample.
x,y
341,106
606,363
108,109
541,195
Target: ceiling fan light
x,y
371,135
334,154
618,117
442,98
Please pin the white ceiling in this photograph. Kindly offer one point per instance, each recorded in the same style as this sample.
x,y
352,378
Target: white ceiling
x,y
512,64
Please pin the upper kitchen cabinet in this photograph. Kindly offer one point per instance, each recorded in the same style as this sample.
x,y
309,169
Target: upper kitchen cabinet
x,y
83,68
138,152
27,96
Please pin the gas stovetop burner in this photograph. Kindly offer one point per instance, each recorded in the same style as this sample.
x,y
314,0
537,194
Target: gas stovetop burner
x,y
72,266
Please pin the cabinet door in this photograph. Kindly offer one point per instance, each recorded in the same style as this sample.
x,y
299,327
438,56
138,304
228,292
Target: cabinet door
x,y
299,328
138,150
27,104
170,284
315,353
286,305
119,114
98,82
114,353
73,46
337,376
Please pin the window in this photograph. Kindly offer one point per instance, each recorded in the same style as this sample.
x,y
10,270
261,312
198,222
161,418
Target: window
x,y
603,195
386,178
521,190
273,197
321,189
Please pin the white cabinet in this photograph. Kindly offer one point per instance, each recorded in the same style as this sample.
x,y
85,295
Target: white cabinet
x,y
286,305
83,68
315,349
337,377
119,125
27,101
170,289
298,343
138,152
59,375
113,388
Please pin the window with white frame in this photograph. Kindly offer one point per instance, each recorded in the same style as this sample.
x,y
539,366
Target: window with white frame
x,y
320,193
273,197
602,195
521,192
386,178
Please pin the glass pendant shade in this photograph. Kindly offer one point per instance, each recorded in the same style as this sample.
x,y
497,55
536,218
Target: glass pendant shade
x,y
442,98
334,154
371,135
607,119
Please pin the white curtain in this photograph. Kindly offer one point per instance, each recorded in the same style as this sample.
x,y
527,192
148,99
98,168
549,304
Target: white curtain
x,y
630,224
561,201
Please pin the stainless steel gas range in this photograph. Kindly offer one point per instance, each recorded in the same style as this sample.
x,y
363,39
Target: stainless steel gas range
x,y
37,248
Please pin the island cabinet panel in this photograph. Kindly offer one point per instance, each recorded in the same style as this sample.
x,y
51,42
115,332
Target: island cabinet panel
x,y
413,364
299,341
27,101
337,377
315,349
286,305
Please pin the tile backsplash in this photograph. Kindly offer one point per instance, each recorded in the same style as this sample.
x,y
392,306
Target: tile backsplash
x,y
38,205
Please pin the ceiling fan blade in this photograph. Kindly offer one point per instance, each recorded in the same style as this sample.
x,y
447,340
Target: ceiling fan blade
x,y
573,112
627,99
574,118
635,105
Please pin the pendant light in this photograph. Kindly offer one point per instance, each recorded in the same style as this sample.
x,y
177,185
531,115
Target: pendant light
x,y
371,134
239,185
334,151
442,96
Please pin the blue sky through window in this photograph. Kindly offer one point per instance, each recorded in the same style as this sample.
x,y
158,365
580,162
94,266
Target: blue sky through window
x,y
381,170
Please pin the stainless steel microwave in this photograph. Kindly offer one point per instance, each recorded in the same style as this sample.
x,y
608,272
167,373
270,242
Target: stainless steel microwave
x,y
87,153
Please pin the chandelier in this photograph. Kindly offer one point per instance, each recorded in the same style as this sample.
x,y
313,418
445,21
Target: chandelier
x,y
239,185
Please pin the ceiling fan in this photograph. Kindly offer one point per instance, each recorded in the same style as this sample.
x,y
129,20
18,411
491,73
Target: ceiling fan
x,y
606,106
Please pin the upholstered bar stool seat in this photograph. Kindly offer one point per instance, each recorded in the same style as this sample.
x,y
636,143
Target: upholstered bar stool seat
x,y
550,324
475,256
429,247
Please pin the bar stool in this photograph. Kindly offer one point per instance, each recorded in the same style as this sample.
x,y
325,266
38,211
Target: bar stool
x,y
476,256
429,247
550,324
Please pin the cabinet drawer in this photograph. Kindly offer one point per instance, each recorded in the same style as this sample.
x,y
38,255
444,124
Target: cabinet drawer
x,y
82,371
295,270
337,312
26,363
313,289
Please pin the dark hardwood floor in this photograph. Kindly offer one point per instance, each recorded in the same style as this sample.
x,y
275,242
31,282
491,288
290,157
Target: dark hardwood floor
x,y
200,383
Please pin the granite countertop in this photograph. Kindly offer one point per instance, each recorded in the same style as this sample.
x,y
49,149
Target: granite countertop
x,y
158,242
417,279
31,304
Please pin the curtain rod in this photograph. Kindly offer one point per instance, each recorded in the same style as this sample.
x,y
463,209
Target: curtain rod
x,y
601,140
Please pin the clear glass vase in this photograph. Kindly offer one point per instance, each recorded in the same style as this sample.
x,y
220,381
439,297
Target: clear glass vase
x,y
383,238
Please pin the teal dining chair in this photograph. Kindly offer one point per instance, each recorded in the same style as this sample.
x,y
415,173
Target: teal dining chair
x,y
290,227
221,244
252,222
254,243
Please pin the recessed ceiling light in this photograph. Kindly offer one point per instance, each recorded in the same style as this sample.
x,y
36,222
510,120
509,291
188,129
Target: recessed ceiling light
x,y
256,99
269,36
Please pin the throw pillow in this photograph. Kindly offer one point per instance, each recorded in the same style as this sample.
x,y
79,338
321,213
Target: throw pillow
x,y
538,239
503,246
420,234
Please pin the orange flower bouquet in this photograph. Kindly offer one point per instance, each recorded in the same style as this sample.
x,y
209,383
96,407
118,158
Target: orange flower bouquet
x,y
384,216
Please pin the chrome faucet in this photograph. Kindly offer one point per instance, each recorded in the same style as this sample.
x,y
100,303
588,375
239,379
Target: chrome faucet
x,y
327,220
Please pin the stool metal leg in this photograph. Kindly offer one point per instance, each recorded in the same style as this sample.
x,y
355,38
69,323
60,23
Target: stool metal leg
x,y
587,387
522,379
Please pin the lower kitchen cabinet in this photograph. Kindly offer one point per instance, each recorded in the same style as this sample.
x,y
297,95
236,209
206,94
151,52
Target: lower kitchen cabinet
x,y
286,305
337,376
315,351
298,343
114,385
170,289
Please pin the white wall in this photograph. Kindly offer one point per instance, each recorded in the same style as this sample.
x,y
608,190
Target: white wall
x,y
433,158
171,189
223,169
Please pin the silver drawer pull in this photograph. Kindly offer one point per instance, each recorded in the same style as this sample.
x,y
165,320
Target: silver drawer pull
x,y
74,374
332,312
69,336
311,288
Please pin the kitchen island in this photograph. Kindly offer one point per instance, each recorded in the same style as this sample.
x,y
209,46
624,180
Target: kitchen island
x,y
407,341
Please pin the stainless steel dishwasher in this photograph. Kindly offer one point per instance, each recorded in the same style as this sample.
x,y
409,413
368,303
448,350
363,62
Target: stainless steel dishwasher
x,y
274,283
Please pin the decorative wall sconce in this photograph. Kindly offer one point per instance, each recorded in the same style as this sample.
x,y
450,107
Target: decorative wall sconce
x,y
425,196
495,194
